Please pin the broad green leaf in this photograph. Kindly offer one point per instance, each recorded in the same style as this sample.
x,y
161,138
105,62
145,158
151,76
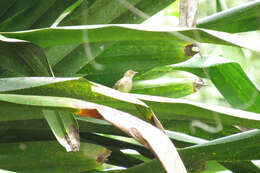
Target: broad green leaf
x,y
228,77
242,18
47,156
144,133
173,84
104,33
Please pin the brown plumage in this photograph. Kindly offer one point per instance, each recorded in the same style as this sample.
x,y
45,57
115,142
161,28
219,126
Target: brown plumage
x,y
126,82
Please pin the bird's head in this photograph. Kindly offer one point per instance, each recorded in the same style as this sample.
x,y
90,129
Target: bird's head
x,y
129,73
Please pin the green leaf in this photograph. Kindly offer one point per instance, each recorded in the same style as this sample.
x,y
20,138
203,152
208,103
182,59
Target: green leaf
x,y
152,166
33,62
226,149
110,65
46,156
131,125
82,57
242,18
173,84
228,77
104,33
188,127
89,125
168,108
165,108
200,152
23,57
244,166
77,88
24,14
103,12
213,166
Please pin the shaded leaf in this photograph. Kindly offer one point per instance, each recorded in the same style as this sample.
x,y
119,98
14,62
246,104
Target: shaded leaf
x,y
23,57
48,156
24,14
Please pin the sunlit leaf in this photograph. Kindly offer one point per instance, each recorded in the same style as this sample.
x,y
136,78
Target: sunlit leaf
x,y
242,18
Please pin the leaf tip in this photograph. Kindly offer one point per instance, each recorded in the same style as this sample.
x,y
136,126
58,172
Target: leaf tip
x,y
191,49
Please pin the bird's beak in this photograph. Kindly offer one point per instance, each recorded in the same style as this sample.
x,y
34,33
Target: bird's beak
x,y
135,72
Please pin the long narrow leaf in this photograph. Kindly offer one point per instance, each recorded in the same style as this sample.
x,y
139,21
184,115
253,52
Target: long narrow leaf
x,y
102,33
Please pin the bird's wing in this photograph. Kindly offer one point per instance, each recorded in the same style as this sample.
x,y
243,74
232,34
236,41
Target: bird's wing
x,y
116,85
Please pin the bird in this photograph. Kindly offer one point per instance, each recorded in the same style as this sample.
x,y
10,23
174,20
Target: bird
x,y
126,82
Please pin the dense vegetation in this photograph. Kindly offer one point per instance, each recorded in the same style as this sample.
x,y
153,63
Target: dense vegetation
x,y
61,58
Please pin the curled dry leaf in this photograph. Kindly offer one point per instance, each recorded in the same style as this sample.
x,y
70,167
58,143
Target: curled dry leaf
x,y
145,133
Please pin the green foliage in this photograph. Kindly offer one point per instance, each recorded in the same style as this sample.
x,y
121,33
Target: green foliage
x,y
64,75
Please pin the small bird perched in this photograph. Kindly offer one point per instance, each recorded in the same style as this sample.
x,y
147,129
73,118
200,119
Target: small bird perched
x,y
125,83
